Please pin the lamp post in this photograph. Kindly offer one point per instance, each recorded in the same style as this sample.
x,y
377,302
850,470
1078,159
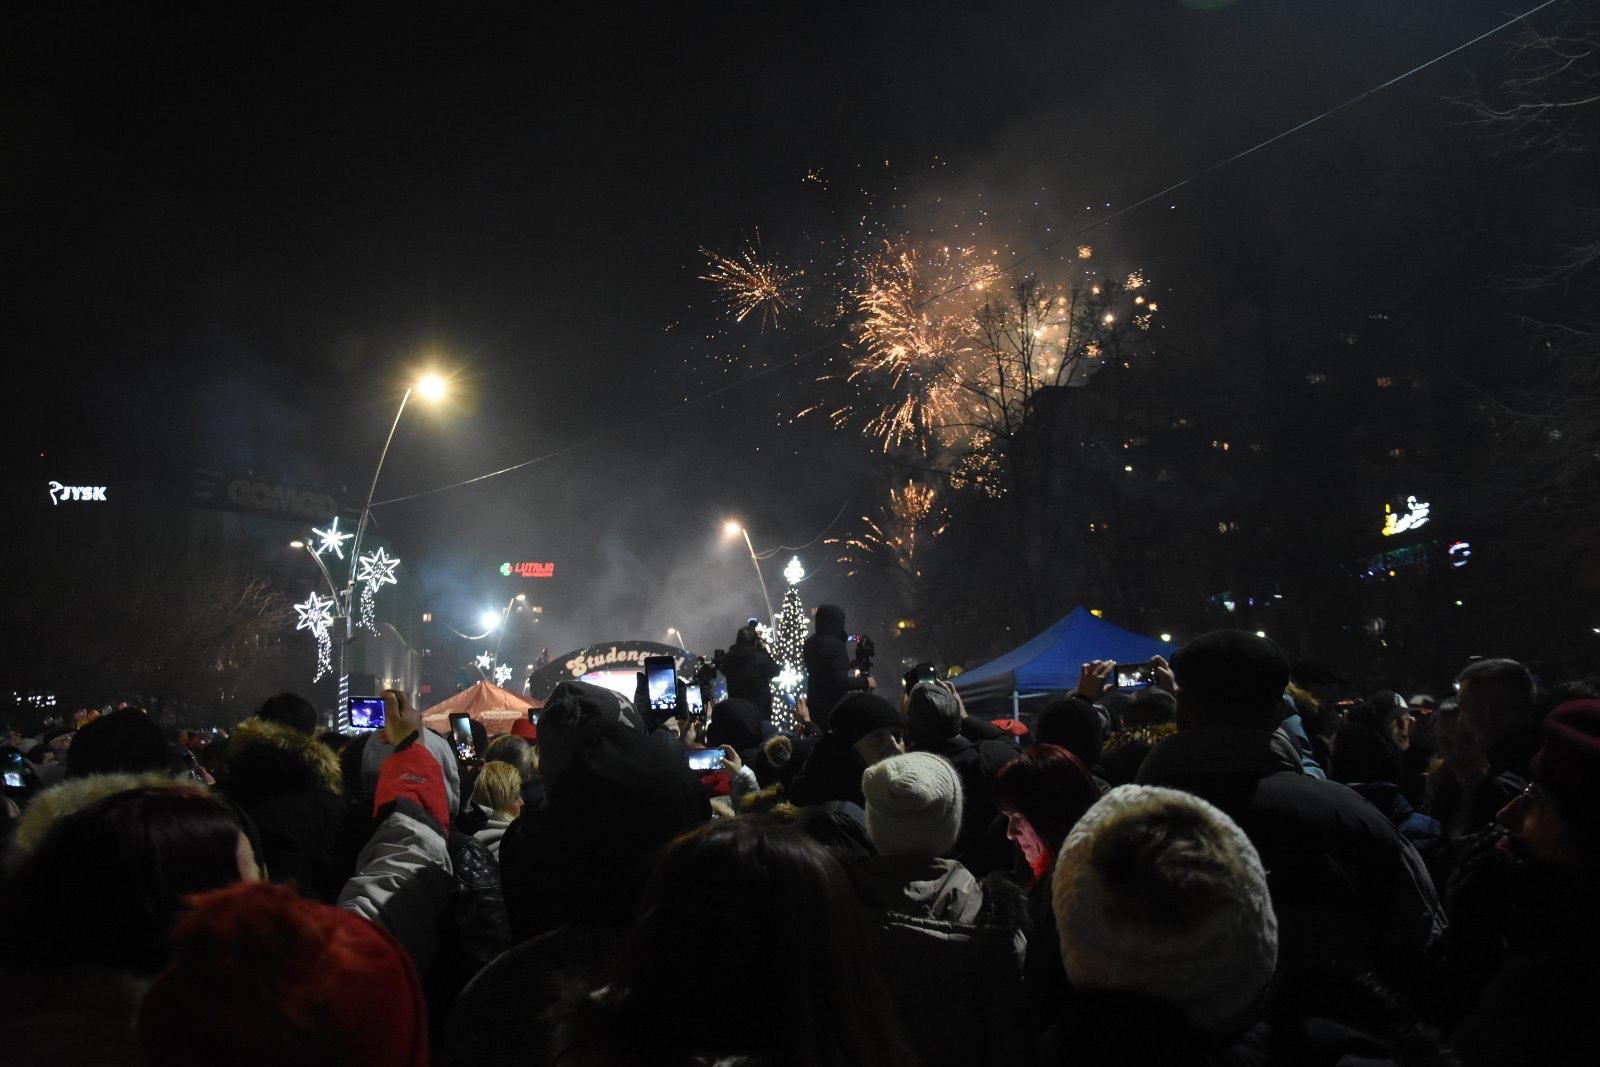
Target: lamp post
x,y
732,528
505,617
429,387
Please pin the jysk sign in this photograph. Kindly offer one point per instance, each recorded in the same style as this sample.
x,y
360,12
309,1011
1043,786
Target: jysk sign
x,y
528,570
60,493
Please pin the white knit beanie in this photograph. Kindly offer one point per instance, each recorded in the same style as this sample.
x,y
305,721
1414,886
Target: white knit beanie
x,y
1157,892
913,805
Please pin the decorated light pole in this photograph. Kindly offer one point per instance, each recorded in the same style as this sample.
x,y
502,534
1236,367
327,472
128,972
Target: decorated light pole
x,y
371,572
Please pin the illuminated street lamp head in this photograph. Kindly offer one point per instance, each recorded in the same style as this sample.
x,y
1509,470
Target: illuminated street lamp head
x,y
431,387
731,528
489,619
297,544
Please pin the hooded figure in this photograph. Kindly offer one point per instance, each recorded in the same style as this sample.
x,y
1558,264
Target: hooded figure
x,y
288,783
573,869
827,660
613,796
749,669
736,722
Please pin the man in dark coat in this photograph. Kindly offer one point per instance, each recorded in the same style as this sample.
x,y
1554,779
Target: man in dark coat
x,y
866,729
613,797
827,659
1528,901
1345,884
289,783
749,669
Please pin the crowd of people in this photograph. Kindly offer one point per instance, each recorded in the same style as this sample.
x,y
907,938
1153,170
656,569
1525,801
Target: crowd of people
x,y
1243,862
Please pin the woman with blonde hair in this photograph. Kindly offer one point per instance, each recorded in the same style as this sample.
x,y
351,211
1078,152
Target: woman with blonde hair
x,y
498,795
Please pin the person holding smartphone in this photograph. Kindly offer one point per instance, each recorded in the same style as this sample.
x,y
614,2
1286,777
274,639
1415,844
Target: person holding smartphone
x,y
401,720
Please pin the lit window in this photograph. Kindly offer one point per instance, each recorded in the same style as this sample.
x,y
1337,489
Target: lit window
x,y
427,616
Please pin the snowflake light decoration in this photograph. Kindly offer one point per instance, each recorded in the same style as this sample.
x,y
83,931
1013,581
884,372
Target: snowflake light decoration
x,y
485,660
502,675
316,615
375,570
795,572
331,540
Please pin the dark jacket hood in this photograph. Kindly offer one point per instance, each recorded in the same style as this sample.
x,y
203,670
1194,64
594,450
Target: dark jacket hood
x,y
618,800
262,759
735,722
830,621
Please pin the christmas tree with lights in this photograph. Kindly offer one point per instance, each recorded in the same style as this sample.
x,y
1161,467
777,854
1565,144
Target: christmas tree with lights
x,y
788,639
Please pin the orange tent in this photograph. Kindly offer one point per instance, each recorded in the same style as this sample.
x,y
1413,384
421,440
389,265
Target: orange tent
x,y
496,708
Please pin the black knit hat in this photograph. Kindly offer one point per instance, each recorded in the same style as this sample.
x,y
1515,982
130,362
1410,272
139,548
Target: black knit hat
x,y
858,714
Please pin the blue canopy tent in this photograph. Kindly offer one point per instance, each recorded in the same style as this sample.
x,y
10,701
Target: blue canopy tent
x,y
1051,662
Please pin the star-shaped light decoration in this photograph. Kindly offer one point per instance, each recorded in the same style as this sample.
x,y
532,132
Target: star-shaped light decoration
x,y
331,540
316,615
375,570
485,660
502,674
794,573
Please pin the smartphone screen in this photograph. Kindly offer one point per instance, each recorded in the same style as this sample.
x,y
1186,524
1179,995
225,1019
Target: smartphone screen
x,y
366,713
14,780
706,760
461,728
661,680
695,699
1133,675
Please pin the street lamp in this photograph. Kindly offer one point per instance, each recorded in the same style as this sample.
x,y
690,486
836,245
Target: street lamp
x,y
430,386
732,528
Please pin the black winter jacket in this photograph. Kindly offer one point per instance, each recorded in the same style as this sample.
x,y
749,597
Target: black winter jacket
x,y
749,670
827,659
1345,884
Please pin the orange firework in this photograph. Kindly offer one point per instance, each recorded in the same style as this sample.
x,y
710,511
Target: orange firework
x,y
905,525
748,284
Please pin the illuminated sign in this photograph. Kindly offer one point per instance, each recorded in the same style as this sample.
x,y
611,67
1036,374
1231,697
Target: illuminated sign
x,y
1415,517
59,492
528,570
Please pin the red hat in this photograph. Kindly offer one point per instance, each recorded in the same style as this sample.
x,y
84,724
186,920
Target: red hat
x,y
276,979
413,772
1568,762
524,729
1014,727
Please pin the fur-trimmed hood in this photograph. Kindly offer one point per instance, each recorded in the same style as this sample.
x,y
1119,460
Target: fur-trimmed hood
x,y
263,758
56,803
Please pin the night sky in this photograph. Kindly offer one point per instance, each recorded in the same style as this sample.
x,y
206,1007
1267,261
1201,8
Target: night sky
x,y
233,234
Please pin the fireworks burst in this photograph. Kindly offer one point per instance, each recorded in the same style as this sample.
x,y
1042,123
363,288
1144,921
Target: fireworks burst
x,y
916,335
904,527
750,285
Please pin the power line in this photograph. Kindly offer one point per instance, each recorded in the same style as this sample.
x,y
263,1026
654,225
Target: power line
x,y
769,553
1007,269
